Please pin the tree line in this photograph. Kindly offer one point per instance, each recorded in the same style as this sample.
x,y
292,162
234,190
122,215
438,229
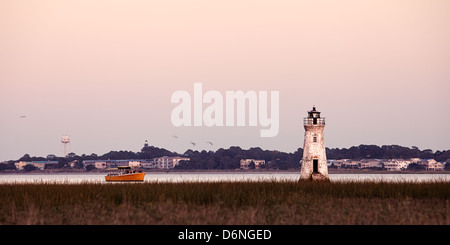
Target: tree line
x,y
386,152
230,158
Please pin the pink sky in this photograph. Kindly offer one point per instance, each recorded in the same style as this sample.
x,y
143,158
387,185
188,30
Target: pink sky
x,y
103,72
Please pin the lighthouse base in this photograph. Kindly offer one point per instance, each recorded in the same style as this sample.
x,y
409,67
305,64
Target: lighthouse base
x,y
316,177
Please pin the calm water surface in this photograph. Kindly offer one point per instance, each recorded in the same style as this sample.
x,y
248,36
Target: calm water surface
x,y
208,176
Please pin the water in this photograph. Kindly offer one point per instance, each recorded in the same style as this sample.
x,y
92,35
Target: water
x,y
216,176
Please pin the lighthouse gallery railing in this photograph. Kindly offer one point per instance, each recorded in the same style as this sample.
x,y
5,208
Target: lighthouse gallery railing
x,y
313,121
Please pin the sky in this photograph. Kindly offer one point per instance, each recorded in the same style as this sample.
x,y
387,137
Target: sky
x,y
103,71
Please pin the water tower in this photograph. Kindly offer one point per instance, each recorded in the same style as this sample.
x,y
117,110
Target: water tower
x,y
66,141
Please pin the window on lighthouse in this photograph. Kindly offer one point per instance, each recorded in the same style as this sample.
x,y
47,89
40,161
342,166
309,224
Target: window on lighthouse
x,y
315,138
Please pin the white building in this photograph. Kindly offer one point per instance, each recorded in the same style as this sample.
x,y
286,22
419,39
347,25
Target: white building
x,y
38,164
345,163
102,164
431,164
396,164
370,163
166,162
337,163
245,163
352,164
20,165
414,160
159,162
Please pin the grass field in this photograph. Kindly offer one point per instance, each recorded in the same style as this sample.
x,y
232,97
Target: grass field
x,y
226,203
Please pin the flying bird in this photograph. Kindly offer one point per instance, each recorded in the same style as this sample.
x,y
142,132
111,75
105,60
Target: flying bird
x,y
24,116
176,137
209,142
193,143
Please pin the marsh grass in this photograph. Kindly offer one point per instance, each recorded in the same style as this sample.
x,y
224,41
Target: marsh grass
x,y
252,202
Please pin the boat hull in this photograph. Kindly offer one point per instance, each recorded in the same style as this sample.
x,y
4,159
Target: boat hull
x,y
126,177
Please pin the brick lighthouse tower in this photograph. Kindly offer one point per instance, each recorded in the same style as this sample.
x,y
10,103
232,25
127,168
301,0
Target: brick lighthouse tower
x,y
314,162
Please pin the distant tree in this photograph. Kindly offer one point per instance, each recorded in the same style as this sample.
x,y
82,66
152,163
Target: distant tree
x,y
71,155
415,167
25,158
78,165
148,152
226,163
442,156
120,155
51,157
29,168
90,167
427,153
7,166
188,153
183,165
92,156
210,164
446,166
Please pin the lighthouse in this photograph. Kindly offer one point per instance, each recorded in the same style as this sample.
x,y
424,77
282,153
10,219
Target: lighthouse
x,y
314,161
